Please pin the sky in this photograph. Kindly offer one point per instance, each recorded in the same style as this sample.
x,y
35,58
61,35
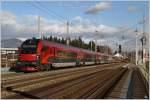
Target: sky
x,y
114,21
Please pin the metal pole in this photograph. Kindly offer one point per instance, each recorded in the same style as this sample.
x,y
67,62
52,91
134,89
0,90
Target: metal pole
x,y
144,52
39,33
95,45
6,59
144,37
144,23
91,46
107,46
142,40
67,33
99,46
136,61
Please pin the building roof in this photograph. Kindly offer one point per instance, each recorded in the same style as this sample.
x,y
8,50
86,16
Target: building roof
x,y
118,55
9,48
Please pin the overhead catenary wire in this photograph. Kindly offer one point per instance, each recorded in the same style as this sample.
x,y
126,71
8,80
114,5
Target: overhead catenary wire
x,y
61,17
56,14
53,12
46,11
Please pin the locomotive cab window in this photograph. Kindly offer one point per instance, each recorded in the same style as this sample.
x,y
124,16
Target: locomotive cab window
x,y
29,46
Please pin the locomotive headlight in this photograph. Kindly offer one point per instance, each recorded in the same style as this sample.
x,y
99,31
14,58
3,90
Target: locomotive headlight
x,y
37,57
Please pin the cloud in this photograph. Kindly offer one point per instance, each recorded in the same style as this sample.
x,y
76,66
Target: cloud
x,y
26,27
13,26
133,9
18,26
78,18
101,6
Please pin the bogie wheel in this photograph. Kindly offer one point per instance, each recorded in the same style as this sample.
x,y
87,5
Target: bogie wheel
x,y
41,68
44,67
84,63
47,67
50,67
78,64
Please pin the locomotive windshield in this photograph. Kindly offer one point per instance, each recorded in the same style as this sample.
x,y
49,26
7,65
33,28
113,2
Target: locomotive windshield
x,y
29,46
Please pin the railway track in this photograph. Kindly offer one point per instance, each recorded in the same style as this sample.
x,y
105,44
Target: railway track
x,y
85,82
139,89
42,79
12,75
18,76
130,86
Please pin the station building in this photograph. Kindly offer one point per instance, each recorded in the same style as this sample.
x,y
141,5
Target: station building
x,y
8,56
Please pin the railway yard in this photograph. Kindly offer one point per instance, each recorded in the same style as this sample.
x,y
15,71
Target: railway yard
x,y
96,49
117,80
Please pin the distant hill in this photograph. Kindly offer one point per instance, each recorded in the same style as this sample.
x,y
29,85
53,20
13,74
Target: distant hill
x,y
10,43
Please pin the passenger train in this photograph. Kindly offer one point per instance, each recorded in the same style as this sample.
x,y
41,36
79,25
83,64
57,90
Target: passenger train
x,y
39,55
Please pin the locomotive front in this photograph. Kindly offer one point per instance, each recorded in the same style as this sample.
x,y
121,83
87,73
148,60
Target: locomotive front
x,y
28,58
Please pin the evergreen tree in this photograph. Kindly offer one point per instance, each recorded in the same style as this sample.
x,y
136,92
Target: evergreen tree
x,y
51,38
62,41
80,42
59,41
55,39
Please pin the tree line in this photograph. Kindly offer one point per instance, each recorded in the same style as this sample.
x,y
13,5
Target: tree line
x,y
80,44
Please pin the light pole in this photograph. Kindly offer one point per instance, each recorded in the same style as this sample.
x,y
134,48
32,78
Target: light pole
x,y
95,45
96,42
143,41
67,32
143,38
107,47
91,45
136,61
39,26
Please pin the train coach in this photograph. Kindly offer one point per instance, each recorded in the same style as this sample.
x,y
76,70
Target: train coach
x,y
40,55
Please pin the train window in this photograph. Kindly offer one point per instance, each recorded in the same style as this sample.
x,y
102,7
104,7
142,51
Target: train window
x,y
90,57
61,53
71,54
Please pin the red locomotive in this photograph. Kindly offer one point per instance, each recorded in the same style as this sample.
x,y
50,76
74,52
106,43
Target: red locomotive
x,y
39,55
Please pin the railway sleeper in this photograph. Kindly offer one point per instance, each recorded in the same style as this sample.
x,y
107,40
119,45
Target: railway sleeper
x,y
121,89
127,87
21,93
138,88
102,91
